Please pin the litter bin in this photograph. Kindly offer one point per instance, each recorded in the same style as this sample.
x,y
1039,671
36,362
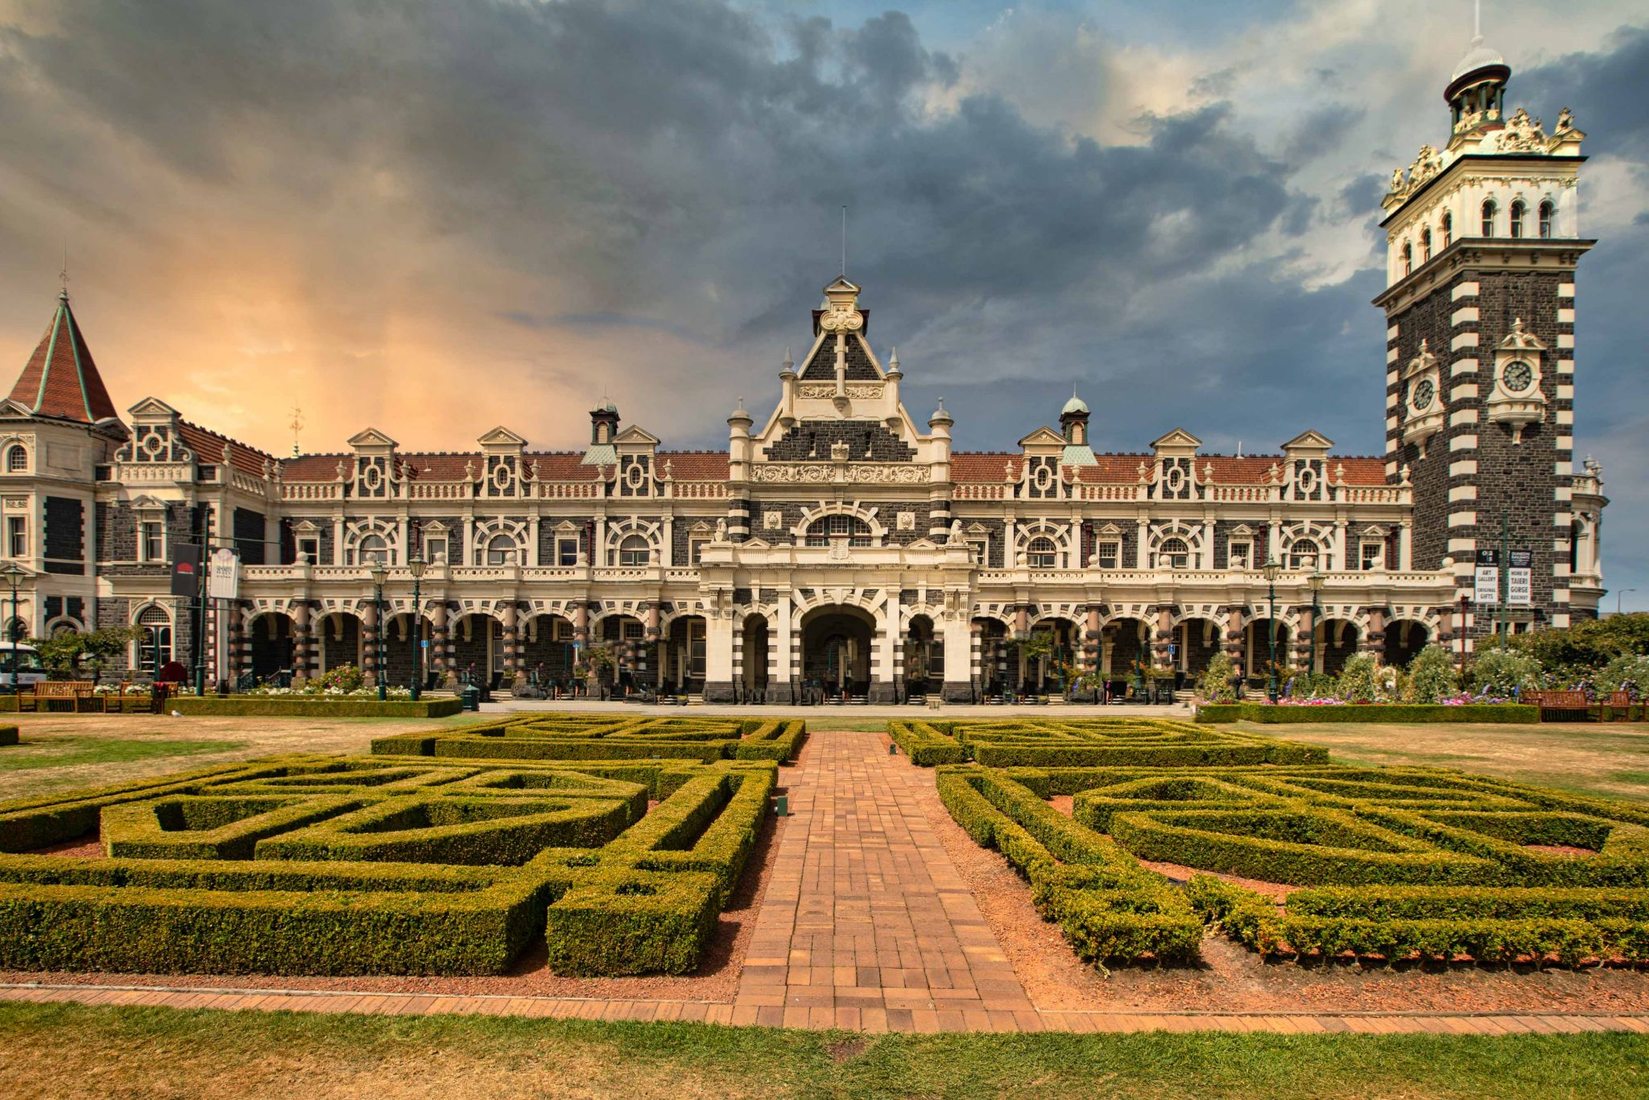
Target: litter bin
x,y
470,697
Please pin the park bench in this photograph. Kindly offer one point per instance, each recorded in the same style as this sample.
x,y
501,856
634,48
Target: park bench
x,y
1617,707
1562,706
74,695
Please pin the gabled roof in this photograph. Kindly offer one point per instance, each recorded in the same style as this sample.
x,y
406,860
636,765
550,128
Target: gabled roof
x,y
60,379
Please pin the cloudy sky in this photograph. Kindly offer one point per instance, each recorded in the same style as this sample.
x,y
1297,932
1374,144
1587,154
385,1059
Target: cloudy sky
x,y
434,216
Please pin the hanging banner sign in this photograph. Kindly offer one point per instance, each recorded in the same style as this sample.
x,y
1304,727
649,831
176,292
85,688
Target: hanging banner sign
x,y
1486,580
185,569
1520,579
223,575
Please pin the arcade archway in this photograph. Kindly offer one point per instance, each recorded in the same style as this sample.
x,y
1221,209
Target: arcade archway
x,y
836,657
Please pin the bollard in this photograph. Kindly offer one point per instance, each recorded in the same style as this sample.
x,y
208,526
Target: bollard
x,y
781,805
892,749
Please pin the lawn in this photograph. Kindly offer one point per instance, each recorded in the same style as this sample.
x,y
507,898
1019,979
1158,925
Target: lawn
x,y
1594,758
74,1050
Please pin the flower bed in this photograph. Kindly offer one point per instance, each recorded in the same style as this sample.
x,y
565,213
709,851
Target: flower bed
x,y
1332,710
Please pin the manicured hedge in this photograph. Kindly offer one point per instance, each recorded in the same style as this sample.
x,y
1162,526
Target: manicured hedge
x,y
607,737
300,706
1284,714
374,865
927,743
8,735
1077,742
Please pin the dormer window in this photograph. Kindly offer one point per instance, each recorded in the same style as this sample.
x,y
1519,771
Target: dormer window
x,y
1488,217
1546,212
1518,210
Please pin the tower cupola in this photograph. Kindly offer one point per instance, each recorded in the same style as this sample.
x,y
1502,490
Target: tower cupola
x,y
1476,93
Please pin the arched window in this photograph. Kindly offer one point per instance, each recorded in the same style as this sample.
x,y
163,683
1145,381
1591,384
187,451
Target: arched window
x,y
1425,244
17,459
154,639
1303,554
1408,257
1174,553
1518,210
821,531
1488,217
501,550
371,548
634,551
1546,220
1448,228
1042,553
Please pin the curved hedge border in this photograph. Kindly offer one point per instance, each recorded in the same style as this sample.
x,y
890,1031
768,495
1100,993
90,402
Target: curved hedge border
x,y
511,853
607,737
1079,742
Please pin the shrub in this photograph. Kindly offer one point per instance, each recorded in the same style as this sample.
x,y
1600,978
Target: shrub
x,y
343,678
1503,671
1629,670
1431,676
1214,685
1359,682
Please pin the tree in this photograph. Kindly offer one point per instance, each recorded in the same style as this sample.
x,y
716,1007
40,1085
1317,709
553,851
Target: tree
x,y
1431,676
1214,685
67,652
1503,672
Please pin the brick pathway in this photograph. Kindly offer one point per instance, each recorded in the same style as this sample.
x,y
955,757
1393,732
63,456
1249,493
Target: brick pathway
x,y
866,922
865,925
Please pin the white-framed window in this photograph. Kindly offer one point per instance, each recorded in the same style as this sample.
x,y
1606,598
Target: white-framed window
x,y
1302,555
1108,554
1448,228
1372,555
435,548
1241,555
632,630
980,551
695,549
154,642
1408,258
309,549
841,525
17,459
17,537
1425,244
501,550
370,549
1518,210
566,551
1042,553
1488,217
634,551
1174,553
1546,212
151,543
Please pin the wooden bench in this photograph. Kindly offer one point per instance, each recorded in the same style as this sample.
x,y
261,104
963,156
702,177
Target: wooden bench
x,y
1562,706
74,695
1617,707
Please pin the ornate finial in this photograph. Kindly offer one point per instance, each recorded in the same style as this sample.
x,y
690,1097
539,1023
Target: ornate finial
x,y
296,426
1517,326
844,240
789,363
1565,121
893,361
63,279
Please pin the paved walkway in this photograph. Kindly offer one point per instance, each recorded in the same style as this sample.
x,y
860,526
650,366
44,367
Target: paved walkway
x,y
865,924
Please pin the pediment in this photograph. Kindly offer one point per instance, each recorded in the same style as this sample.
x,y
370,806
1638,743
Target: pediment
x,y
758,543
1109,529
923,543
702,527
148,503
978,529
13,410
1373,531
434,527
1242,530
1043,437
636,435
306,527
1519,339
1178,441
1308,440
152,408
566,526
372,440
501,437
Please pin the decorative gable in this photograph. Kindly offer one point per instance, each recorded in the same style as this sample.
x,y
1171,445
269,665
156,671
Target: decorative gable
x,y
1178,442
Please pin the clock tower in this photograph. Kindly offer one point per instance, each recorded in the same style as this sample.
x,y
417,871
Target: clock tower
x,y
1483,238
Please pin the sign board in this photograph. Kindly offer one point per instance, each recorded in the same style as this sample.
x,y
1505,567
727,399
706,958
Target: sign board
x,y
1486,579
223,575
185,569
1520,579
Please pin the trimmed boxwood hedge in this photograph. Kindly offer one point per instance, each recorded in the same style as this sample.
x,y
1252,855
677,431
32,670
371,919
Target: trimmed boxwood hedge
x,y
565,851
302,706
1426,714
607,737
1079,742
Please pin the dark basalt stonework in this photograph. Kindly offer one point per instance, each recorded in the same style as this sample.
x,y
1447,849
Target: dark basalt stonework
x,y
867,441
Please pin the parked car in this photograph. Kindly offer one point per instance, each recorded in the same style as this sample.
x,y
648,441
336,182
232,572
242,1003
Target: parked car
x,y
25,661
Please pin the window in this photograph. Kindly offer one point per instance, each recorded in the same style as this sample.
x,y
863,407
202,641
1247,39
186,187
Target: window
x,y
1174,553
1546,212
435,549
979,550
1373,556
154,639
1517,218
1488,217
566,551
632,630
17,537
1041,553
634,551
1425,244
1408,257
371,548
17,459
1108,555
309,550
854,529
501,550
1303,554
1242,553
152,540
1448,228
695,549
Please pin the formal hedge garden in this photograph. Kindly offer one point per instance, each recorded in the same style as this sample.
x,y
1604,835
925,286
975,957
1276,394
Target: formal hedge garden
x,y
1384,864
607,737
1091,742
383,865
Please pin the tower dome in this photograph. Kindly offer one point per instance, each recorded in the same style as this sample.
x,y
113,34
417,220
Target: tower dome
x,y
1074,407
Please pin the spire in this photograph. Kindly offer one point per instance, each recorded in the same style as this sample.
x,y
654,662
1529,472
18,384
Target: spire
x,y
61,380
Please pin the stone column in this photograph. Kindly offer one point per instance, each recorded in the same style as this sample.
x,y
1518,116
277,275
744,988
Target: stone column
x,y
883,688
440,657
1164,636
1234,636
961,659
1375,640
781,654
1091,635
511,641
718,656
1305,641
303,643
369,643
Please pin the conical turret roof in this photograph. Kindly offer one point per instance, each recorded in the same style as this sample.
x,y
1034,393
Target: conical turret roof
x,y
61,380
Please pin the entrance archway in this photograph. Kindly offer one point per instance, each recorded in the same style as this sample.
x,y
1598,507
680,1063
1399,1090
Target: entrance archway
x,y
1404,639
836,651
924,658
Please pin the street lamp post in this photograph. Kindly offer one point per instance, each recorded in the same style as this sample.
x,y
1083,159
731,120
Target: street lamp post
x,y
14,575
416,565
1271,569
1316,581
380,573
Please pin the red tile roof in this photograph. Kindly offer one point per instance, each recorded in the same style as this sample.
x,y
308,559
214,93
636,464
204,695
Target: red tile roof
x,y
61,379
208,447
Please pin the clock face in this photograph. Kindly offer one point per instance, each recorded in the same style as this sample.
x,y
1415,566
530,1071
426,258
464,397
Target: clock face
x,y
1425,391
1517,377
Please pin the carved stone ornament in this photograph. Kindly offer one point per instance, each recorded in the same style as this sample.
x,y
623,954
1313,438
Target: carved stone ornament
x,y
864,391
788,473
841,320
